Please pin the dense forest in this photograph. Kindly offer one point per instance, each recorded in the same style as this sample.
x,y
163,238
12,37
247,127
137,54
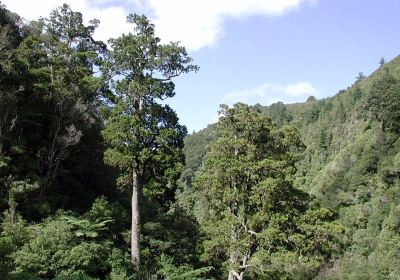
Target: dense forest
x,y
99,180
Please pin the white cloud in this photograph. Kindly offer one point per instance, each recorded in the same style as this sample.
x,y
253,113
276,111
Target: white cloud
x,y
300,89
112,18
196,23
199,23
268,93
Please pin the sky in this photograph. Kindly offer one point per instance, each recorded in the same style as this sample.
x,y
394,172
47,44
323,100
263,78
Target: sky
x,y
253,51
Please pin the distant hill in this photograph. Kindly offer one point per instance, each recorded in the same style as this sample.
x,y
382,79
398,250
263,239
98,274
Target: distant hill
x,y
351,165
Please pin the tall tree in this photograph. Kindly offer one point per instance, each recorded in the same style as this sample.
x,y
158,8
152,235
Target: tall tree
x,y
10,77
59,97
257,220
144,137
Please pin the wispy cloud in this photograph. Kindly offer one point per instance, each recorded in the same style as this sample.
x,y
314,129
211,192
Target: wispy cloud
x,y
200,23
196,23
269,93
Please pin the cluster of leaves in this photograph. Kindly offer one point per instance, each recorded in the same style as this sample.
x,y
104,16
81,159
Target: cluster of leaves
x,y
63,244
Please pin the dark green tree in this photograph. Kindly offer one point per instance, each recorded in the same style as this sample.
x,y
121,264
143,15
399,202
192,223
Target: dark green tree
x,y
58,98
279,114
258,223
311,98
382,102
360,77
144,137
10,79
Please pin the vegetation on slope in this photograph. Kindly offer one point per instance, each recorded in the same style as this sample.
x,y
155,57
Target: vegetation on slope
x,y
350,165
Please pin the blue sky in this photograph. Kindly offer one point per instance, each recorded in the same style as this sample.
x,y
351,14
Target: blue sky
x,y
255,50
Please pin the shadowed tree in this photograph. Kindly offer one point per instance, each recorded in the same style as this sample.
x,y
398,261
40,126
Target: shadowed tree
x,y
382,61
144,137
10,77
61,93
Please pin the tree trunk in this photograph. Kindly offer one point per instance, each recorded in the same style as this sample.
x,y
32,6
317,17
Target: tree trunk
x,y
233,275
135,227
233,259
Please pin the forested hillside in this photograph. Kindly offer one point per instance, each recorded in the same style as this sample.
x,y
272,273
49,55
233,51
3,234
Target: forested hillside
x,y
99,180
350,165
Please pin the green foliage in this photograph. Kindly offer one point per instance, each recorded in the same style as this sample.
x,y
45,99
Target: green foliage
x,y
141,132
74,277
324,139
383,103
42,123
23,276
143,136
14,233
257,221
85,228
311,98
313,114
54,250
121,266
62,245
111,216
279,113
170,271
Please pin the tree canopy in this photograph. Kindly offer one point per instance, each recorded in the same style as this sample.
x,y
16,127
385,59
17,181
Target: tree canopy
x,y
144,137
257,222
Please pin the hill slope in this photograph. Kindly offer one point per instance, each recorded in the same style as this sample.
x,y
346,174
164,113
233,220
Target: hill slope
x,y
351,164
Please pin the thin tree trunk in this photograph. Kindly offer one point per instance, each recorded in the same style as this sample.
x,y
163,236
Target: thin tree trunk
x,y
233,256
232,261
233,275
135,246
